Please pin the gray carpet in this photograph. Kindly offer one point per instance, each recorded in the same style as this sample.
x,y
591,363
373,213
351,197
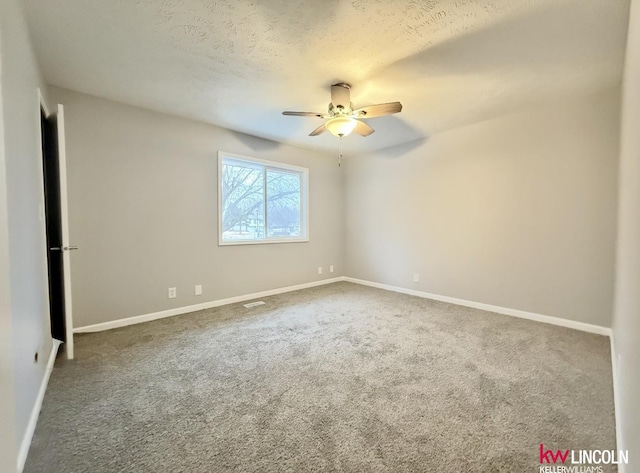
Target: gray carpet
x,y
335,378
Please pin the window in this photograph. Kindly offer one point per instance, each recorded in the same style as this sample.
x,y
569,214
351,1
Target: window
x,y
261,201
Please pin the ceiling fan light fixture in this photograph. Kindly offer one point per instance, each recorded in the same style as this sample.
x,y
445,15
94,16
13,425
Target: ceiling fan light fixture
x,y
341,126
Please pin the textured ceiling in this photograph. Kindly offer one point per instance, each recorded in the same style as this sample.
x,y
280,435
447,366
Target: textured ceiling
x,y
239,63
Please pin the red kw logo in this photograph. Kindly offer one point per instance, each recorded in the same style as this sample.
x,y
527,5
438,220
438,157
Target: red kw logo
x,y
548,456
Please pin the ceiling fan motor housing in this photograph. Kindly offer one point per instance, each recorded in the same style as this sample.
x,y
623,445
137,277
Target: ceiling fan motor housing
x,y
338,110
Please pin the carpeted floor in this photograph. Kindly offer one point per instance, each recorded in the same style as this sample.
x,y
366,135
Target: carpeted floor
x,y
335,378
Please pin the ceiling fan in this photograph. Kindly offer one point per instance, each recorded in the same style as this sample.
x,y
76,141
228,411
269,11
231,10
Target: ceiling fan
x,y
342,118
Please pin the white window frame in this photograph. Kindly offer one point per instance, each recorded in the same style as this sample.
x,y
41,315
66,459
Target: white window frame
x,y
304,203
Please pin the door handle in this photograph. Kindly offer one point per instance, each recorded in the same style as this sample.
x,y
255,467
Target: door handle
x,y
56,248
64,248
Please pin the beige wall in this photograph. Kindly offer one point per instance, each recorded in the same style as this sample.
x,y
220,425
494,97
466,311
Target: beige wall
x,y
626,321
517,211
25,270
8,449
143,210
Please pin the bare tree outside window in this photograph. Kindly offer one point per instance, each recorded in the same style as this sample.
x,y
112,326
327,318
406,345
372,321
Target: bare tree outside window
x,y
254,196
242,202
283,203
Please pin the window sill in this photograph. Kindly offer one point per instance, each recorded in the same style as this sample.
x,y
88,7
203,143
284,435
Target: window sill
x,y
262,242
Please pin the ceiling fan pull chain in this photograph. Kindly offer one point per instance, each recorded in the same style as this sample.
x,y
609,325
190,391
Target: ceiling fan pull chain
x,y
340,153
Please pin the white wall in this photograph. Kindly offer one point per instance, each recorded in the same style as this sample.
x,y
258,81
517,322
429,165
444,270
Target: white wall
x,y
626,320
518,211
143,210
26,249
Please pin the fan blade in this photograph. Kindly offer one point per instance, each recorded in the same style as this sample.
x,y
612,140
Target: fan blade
x,y
378,110
363,129
304,114
341,95
317,131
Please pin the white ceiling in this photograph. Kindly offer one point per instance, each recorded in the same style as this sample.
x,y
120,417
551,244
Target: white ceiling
x,y
240,63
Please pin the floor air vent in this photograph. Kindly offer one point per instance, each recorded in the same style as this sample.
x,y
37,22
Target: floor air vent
x,y
253,304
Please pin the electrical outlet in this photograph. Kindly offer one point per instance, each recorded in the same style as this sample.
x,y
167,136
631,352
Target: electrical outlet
x,y
198,290
416,277
319,269
331,269
172,292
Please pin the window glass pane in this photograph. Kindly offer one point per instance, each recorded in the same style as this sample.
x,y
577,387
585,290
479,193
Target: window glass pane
x,y
242,201
283,204
256,194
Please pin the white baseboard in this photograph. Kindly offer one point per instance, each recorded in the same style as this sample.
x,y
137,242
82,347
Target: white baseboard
x,y
547,319
616,401
35,412
193,308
